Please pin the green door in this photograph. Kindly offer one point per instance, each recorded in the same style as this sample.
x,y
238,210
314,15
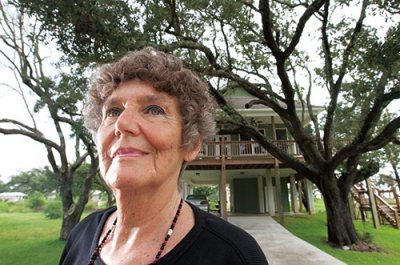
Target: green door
x,y
245,192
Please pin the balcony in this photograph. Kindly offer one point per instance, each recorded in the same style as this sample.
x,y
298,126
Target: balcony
x,y
239,155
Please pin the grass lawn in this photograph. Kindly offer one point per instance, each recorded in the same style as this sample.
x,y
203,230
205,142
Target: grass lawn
x,y
29,238
313,230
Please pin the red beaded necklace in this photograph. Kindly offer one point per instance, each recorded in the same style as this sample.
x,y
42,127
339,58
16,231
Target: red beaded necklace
x,y
99,247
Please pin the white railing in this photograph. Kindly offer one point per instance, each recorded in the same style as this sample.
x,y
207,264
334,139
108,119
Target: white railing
x,y
243,149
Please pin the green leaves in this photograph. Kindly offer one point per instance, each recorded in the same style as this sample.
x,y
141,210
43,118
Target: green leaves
x,y
94,28
40,180
70,91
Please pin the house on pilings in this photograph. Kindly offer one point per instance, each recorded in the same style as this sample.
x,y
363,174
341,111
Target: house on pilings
x,y
251,180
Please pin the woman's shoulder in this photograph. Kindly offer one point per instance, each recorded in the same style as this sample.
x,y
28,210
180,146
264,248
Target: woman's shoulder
x,y
89,225
81,239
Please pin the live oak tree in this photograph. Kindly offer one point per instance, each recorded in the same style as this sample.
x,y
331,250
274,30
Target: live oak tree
x,y
35,180
44,181
391,154
282,52
21,41
3,187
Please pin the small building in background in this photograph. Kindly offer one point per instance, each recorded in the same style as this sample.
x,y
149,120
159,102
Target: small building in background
x,y
12,196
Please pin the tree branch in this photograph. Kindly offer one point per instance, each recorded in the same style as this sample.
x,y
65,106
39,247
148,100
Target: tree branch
x,y
20,124
78,162
350,45
271,104
386,136
381,101
327,50
34,136
335,89
314,7
229,58
311,113
250,5
268,27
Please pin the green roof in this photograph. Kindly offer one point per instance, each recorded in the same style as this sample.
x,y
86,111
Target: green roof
x,y
236,92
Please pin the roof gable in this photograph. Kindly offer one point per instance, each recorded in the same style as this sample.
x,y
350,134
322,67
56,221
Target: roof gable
x,y
238,97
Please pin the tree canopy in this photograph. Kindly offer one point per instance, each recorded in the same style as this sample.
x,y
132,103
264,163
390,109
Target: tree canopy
x,y
60,97
282,52
35,180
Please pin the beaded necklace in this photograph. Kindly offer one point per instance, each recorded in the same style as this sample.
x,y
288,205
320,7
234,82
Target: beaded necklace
x,y
99,247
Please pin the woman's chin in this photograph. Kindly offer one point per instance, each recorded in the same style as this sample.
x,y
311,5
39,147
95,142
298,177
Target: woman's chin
x,y
119,179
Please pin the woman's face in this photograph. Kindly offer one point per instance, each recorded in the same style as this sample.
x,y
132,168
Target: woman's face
x,y
140,137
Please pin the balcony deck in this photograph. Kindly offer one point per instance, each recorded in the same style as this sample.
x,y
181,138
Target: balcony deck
x,y
240,155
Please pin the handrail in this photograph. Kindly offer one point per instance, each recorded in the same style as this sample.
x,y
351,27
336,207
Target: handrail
x,y
395,214
393,190
239,149
384,202
393,211
380,202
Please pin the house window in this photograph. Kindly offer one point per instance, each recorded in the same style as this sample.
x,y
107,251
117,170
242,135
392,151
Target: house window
x,y
282,137
281,134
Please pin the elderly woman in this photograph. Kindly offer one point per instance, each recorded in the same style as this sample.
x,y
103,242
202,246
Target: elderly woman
x,y
149,116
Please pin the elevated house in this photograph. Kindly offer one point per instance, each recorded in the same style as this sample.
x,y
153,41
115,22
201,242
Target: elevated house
x,y
256,181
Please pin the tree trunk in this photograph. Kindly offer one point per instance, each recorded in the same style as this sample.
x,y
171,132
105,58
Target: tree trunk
x,y
304,198
70,219
71,216
110,199
72,212
341,230
396,175
110,194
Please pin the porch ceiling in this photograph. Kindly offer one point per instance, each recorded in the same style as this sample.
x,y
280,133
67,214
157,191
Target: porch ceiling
x,y
212,176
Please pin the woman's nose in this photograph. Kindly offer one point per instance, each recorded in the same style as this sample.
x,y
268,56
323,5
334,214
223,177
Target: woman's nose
x,y
127,123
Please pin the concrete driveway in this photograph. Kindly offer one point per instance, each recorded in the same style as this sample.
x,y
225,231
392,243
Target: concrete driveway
x,y
279,245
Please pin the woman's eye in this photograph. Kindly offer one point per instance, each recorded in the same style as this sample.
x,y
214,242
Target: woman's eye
x,y
113,112
154,110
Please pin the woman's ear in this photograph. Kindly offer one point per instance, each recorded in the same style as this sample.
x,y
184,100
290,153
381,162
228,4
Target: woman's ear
x,y
191,154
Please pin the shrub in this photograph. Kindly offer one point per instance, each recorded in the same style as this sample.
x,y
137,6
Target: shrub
x,y
91,206
3,207
53,209
36,201
14,207
18,207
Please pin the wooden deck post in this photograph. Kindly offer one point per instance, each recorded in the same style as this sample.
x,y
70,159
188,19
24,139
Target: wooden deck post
x,y
396,197
270,195
293,194
300,192
278,193
309,196
261,195
371,195
351,206
222,183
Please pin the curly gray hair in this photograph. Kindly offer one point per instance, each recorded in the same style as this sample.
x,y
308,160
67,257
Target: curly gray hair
x,y
167,74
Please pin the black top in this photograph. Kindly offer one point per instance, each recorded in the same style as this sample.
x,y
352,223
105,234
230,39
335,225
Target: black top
x,y
211,241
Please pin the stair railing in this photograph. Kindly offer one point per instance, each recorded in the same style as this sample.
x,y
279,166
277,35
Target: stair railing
x,y
379,201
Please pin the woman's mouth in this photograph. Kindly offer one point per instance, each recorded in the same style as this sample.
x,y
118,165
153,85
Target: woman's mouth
x,y
127,152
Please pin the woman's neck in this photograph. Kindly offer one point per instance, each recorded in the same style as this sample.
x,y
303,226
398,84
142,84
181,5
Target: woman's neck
x,y
139,208
143,222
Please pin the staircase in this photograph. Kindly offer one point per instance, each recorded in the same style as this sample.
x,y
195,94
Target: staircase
x,y
386,211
